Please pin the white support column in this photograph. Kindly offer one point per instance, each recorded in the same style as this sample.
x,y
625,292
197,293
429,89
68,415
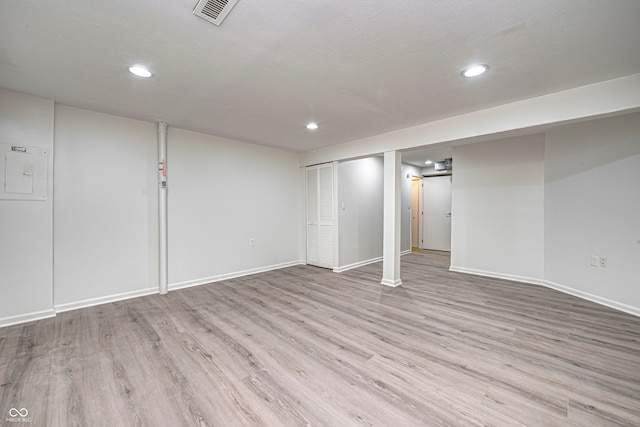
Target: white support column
x,y
392,219
162,209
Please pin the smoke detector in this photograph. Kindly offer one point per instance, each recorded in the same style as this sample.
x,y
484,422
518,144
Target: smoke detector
x,y
214,11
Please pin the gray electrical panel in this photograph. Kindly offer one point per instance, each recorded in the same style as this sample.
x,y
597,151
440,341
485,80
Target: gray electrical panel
x,y
23,171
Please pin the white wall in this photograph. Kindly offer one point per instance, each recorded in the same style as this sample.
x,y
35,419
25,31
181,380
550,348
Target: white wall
x,y
360,204
222,193
592,207
101,230
498,210
26,248
360,224
106,207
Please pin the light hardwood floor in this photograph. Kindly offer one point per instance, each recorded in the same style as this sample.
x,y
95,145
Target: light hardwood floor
x,y
305,346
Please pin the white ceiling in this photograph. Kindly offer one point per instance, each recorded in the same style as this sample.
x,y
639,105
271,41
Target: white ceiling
x,y
358,67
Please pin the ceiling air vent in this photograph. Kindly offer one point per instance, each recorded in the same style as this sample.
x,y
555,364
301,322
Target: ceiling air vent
x,y
214,10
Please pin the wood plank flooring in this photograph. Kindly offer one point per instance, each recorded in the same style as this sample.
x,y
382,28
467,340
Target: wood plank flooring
x,y
303,346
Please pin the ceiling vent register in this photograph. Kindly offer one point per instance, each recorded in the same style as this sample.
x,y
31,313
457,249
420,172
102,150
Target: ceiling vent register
x,y
214,10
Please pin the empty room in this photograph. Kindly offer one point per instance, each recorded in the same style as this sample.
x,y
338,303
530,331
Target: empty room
x,y
320,213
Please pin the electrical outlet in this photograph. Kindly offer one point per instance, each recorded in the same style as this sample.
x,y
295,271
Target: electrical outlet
x,y
595,261
252,242
603,262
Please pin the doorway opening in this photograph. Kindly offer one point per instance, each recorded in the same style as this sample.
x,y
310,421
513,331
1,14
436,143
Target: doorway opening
x,y
431,213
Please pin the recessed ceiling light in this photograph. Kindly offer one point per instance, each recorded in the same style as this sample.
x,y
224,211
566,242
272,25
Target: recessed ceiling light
x,y
428,162
312,126
140,71
475,70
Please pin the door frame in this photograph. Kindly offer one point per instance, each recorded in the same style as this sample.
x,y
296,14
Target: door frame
x,y
334,215
422,201
420,208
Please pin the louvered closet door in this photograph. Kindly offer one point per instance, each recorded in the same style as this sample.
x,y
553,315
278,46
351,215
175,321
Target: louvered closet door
x,y
320,215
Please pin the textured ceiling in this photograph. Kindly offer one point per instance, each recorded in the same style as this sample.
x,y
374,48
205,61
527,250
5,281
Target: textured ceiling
x,y
358,67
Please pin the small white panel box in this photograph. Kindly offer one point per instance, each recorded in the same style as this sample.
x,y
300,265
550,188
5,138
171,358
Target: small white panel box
x,y
23,171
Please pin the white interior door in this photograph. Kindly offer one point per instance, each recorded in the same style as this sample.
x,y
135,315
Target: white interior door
x,y
319,183
437,213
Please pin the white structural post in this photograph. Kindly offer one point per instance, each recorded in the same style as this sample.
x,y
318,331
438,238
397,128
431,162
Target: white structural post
x,y
162,208
392,219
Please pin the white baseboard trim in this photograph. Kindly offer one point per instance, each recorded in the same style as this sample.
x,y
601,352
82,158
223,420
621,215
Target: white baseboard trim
x,y
366,262
593,298
356,265
60,308
227,276
512,277
29,317
565,289
392,283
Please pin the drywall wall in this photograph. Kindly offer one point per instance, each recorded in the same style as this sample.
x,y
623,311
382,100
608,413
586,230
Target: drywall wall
x,y
26,248
106,208
498,209
221,194
360,202
592,207
360,210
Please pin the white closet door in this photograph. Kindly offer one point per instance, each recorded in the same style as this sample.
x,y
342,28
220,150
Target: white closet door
x,y
320,215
